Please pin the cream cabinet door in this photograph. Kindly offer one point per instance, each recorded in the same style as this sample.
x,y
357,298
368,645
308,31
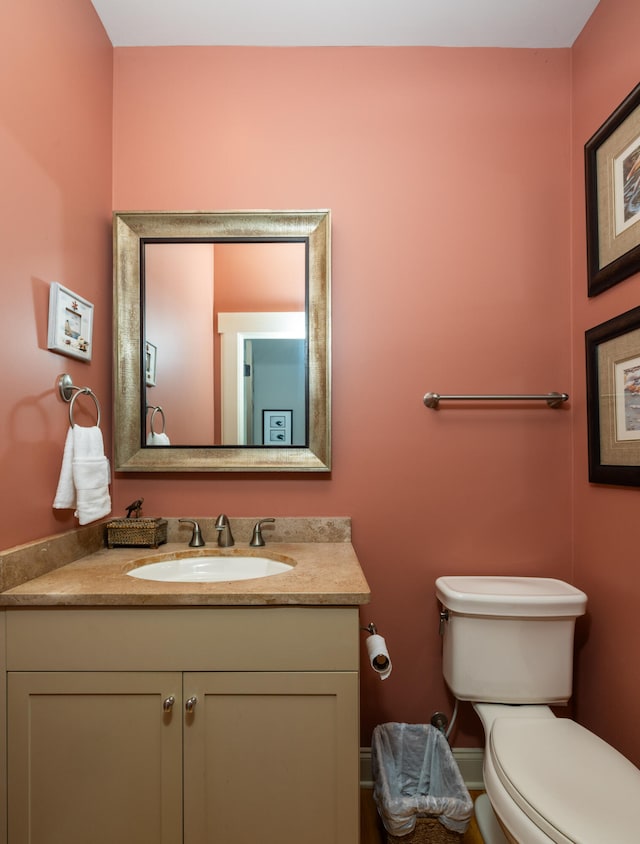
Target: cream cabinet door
x,y
95,757
271,757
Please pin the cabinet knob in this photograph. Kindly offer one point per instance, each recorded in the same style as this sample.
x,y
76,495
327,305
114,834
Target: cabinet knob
x,y
167,703
190,705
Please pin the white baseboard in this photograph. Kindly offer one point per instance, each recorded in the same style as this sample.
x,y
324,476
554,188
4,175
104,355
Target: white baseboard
x,y
469,761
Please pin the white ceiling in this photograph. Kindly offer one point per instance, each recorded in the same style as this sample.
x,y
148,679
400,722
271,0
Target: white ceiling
x,y
310,23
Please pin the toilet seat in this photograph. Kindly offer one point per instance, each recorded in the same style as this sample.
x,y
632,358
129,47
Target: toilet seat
x,y
572,785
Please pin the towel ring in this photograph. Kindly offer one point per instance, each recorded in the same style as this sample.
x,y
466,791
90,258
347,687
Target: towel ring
x,y
159,410
66,388
87,392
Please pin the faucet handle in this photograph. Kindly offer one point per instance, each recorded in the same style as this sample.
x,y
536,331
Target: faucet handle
x,y
196,537
257,540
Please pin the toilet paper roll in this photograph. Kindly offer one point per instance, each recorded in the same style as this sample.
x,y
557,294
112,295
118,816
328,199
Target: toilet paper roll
x,y
379,656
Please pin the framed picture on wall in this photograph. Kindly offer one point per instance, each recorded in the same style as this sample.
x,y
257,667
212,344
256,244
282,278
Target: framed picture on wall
x,y
150,363
612,171
613,400
276,425
70,329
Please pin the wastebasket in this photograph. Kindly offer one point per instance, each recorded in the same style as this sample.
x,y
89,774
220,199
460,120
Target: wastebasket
x,y
418,788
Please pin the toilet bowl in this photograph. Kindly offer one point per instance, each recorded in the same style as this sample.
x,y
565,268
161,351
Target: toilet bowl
x,y
507,647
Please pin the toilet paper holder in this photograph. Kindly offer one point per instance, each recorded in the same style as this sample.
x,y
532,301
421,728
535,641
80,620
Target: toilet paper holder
x,y
380,661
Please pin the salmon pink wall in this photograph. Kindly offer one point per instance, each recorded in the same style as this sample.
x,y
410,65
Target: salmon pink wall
x,y
179,322
606,67
447,173
55,225
260,277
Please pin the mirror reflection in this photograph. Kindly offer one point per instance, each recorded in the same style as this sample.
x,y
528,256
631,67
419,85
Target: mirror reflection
x,y
225,353
222,341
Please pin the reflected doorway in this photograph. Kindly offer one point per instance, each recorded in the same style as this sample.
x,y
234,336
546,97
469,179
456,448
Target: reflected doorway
x,y
275,374
264,379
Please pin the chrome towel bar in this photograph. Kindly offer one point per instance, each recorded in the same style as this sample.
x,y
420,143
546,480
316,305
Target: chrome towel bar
x,y
432,400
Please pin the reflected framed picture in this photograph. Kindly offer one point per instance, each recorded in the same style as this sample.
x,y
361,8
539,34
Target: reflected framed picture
x,y
150,363
612,172
70,329
613,400
276,427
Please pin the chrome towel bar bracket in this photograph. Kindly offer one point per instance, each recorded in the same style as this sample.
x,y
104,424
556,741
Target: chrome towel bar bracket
x,y
433,400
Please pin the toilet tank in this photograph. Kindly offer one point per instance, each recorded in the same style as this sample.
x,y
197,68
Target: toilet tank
x,y
509,639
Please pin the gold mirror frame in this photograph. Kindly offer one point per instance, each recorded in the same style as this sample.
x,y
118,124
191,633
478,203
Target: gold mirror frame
x,y
129,228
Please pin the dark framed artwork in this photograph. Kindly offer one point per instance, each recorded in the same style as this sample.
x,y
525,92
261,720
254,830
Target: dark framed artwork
x,y
277,426
612,172
613,400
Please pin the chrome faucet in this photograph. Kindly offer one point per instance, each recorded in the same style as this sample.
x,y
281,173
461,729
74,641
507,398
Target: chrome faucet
x,y
196,537
225,537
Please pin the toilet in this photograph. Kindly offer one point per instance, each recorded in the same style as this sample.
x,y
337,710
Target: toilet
x,y
508,648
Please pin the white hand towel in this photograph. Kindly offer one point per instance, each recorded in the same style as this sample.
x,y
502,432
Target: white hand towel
x,y
66,492
85,475
157,439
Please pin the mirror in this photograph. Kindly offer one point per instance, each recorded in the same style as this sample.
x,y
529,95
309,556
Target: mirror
x,y
224,330
194,355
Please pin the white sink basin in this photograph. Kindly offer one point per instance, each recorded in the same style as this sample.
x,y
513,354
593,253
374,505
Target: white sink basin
x,y
209,568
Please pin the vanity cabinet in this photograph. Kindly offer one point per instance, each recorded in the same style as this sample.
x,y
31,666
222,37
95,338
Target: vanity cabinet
x,y
183,725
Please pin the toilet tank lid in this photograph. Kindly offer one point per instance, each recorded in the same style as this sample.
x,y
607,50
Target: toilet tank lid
x,y
535,597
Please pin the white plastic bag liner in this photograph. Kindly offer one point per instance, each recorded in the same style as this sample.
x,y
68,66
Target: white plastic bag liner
x,y
416,775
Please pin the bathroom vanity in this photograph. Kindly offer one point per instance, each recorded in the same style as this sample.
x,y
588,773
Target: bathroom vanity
x,y
163,713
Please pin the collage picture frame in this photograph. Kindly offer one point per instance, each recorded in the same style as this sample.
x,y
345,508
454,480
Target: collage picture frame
x,y
70,328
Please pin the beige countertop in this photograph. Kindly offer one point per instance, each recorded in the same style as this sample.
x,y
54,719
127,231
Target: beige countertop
x,y
324,574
